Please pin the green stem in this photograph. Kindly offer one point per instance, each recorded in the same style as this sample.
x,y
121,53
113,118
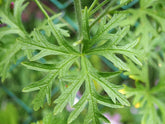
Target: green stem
x,y
42,9
77,5
93,4
148,80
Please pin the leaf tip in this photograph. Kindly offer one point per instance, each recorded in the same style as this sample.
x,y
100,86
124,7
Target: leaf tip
x,y
24,90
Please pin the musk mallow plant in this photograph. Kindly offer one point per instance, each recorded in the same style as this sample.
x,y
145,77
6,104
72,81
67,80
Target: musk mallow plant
x,y
97,35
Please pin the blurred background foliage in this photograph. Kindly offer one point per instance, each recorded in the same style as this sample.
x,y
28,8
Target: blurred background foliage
x,y
145,85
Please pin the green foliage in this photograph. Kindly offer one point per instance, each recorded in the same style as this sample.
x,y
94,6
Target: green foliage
x,y
68,62
11,48
147,97
149,19
9,114
86,74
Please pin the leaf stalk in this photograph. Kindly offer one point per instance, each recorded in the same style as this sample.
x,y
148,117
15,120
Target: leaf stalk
x,y
42,9
77,5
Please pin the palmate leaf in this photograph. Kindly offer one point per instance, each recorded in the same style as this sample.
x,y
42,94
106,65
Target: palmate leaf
x,y
84,73
91,96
